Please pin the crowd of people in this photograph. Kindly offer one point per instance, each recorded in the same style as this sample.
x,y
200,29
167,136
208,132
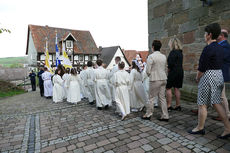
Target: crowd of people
x,y
142,86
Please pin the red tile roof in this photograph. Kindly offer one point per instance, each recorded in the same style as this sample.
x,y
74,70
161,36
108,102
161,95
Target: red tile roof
x,y
131,54
85,43
144,55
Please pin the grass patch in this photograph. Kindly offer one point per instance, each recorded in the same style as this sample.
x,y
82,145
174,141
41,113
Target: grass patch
x,y
8,89
11,93
13,62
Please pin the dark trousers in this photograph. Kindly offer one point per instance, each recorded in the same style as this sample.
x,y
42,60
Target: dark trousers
x,y
41,86
33,83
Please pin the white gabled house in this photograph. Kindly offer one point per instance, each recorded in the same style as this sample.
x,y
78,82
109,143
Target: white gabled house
x,y
108,55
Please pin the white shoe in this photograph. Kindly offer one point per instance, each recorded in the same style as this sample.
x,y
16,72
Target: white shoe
x,y
123,117
134,110
140,109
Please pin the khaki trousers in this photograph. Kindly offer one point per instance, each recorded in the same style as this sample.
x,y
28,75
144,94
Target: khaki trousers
x,y
157,88
225,102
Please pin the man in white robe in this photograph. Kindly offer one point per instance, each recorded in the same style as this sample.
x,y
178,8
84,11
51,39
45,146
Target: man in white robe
x,y
48,86
102,91
90,85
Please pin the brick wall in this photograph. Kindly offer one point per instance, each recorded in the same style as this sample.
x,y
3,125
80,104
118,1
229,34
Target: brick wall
x,y
186,19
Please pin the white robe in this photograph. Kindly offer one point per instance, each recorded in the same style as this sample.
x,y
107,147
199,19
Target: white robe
x,y
58,90
102,91
137,93
121,83
90,76
82,83
74,94
48,86
65,78
145,80
111,79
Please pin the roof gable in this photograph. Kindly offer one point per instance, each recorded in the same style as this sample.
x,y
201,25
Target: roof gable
x,y
69,35
107,54
85,43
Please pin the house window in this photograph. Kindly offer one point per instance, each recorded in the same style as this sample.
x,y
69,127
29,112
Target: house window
x,y
69,44
42,57
95,57
80,57
86,57
76,57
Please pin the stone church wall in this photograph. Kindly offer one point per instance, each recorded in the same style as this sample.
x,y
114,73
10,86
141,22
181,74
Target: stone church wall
x,y
186,19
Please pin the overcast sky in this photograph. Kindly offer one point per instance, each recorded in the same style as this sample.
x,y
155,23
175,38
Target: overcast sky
x,y
111,22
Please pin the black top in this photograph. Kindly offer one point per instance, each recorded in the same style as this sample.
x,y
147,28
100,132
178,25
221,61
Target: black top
x,y
176,72
40,76
175,60
211,58
32,76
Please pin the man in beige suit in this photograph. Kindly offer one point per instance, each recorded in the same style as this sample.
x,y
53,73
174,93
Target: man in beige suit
x,y
156,70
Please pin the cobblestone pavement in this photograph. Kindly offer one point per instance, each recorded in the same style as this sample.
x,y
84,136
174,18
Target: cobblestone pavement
x,y
29,123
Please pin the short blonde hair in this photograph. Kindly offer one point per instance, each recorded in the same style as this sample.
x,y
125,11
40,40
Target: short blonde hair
x,y
175,44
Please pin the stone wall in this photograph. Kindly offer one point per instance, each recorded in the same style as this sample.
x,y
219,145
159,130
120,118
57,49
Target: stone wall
x,y
12,74
186,19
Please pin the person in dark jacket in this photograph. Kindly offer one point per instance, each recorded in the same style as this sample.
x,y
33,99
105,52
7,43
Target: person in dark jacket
x,y
32,76
222,40
175,73
41,85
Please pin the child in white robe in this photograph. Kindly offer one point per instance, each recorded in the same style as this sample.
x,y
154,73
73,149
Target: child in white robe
x,y
90,85
58,91
121,83
74,95
65,78
138,97
145,80
102,91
